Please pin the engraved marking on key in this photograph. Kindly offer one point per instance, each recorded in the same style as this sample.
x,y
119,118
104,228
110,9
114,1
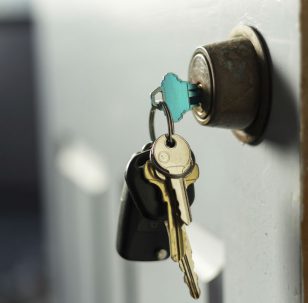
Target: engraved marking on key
x,y
174,228
175,163
187,266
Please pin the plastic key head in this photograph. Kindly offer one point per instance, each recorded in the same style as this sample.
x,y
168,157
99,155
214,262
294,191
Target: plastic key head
x,y
180,96
138,238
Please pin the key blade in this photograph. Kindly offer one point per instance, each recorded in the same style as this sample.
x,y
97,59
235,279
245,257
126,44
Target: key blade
x,y
179,187
187,266
190,278
175,239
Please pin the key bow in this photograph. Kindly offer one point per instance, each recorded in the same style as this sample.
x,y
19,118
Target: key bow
x,y
179,95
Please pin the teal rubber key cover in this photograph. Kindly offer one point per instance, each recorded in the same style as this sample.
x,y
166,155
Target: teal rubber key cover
x,y
180,96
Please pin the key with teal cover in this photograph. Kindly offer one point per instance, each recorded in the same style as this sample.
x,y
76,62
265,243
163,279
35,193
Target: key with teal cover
x,y
180,96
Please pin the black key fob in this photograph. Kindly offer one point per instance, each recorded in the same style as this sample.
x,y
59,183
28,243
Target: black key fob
x,y
138,238
147,196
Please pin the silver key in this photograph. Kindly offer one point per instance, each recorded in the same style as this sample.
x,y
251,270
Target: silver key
x,y
175,162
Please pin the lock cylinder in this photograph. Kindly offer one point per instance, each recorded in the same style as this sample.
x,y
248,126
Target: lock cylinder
x,y
234,77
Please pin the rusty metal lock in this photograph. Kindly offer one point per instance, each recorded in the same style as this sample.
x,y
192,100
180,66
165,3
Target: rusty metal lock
x,y
235,79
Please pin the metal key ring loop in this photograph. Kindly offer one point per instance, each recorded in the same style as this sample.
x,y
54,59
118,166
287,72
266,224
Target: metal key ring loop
x,y
161,106
153,94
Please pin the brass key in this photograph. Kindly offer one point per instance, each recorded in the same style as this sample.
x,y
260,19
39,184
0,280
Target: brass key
x,y
175,162
174,228
187,266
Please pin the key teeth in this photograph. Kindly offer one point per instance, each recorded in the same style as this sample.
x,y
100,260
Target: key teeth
x,y
185,217
180,215
195,291
195,295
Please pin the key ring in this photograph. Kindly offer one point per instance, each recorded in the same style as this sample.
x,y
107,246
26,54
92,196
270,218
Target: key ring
x,y
161,105
153,94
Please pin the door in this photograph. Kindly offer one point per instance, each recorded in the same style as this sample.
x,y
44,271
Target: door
x,y
98,63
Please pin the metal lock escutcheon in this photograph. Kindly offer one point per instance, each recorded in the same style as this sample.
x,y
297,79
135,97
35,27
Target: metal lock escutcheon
x,y
235,79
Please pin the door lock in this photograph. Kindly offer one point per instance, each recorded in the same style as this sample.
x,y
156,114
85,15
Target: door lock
x,y
234,77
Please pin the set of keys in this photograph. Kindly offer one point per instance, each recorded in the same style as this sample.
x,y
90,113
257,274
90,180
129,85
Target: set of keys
x,y
156,202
